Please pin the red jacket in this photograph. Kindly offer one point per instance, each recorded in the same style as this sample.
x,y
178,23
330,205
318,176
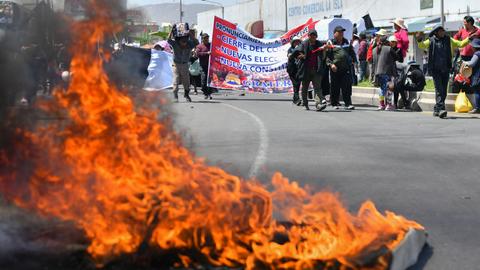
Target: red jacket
x,y
462,35
370,52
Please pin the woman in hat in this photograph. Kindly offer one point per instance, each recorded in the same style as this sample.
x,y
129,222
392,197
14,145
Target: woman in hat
x,y
292,70
440,51
474,63
373,44
384,57
401,34
398,58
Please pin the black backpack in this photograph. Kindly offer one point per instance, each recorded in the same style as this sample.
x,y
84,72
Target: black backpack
x,y
411,79
415,81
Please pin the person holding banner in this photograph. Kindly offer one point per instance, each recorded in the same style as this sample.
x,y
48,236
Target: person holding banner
x,y
203,53
292,70
340,59
182,50
311,53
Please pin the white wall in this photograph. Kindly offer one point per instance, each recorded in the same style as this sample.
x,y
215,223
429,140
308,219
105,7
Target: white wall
x,y
381,11
241,14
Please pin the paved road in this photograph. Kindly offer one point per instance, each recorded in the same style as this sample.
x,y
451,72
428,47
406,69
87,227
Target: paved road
x,y
422,167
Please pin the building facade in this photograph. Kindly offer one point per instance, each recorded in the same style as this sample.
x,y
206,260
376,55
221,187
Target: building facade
x,y
279,15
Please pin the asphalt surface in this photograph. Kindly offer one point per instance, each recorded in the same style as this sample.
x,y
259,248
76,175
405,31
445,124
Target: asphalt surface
x,y
424,168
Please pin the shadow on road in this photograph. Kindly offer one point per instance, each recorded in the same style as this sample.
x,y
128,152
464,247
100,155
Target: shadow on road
x,y
462,118
206,102
425,255
252,99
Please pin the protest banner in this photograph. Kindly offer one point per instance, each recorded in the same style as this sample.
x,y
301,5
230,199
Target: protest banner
x,y
241,61
160,74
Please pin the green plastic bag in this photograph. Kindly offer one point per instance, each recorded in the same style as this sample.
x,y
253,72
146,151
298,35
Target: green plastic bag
x,y
195,69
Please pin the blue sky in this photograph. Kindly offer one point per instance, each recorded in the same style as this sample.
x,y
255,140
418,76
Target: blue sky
x,y
133,3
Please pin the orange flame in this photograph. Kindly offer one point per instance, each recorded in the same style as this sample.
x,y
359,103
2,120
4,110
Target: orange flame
x,y
125,179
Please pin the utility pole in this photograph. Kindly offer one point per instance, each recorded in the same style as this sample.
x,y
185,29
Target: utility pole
x,y
286,15
218,4
181,11
442,7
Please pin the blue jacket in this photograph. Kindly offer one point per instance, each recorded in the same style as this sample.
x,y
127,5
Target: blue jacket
x,y
475,64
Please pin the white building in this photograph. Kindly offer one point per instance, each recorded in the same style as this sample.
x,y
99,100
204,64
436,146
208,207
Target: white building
x,y
278,15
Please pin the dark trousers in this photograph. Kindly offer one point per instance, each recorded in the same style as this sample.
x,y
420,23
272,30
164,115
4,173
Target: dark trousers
x,y
440,79
296,87
363,70
354,76
204,77
477,99
32,85
326,83
341,80
403,94
312,76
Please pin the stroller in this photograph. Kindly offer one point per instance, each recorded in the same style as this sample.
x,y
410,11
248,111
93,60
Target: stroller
x,y
410,80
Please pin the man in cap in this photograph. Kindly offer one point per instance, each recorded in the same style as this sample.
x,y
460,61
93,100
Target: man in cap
x,y
182,50
203,53
340,58
311,69
292,70
401,34
440,51
468,30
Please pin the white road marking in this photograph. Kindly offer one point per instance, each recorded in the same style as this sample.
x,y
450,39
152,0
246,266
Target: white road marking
x,y
263,144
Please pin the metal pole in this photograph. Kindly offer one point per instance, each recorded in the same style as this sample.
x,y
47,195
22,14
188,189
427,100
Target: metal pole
x,y
442,6
181,11
286,15
218,4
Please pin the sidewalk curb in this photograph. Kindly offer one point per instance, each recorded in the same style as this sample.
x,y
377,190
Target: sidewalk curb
x,y
425,100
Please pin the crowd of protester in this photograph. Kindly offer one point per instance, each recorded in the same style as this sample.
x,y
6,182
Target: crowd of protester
x,y
333,66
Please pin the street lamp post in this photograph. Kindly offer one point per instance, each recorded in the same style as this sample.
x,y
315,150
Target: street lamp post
x,y
218,4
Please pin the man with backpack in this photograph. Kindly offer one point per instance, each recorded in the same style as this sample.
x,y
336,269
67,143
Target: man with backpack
x,y
440,53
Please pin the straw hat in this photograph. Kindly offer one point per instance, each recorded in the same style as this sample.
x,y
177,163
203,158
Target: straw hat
x,y
392,39
466,70
400,22
381,32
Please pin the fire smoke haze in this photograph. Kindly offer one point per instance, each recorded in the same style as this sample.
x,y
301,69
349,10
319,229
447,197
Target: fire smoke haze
x,y
126,181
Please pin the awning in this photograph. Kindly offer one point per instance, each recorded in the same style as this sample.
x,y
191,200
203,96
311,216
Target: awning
x,y
419,25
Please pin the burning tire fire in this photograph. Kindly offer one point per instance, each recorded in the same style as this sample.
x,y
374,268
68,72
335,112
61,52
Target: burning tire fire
x,y
125,180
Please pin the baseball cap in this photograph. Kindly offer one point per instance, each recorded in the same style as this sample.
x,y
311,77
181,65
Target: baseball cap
x,y
339,29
